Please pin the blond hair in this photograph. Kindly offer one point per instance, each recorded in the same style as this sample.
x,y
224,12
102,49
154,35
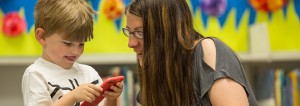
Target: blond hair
x,y
72,18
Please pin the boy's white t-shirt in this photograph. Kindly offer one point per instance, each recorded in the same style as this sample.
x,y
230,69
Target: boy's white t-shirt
x,y
44,82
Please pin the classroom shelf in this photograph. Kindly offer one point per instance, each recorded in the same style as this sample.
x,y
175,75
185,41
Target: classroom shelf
x,y
117,58
108,59
129,58
273,57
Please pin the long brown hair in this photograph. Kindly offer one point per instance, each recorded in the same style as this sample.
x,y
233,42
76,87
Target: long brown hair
x,y
169,36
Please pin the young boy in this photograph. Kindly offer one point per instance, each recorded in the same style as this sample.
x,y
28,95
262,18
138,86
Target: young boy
x,y
56,79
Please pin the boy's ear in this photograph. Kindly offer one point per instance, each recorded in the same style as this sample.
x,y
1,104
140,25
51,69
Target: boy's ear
x,y
40,36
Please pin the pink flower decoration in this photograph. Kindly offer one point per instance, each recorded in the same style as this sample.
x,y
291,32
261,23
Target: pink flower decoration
x,y
13,24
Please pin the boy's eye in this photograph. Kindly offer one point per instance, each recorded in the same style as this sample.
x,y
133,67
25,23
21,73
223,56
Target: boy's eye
x,y
67,43
81,44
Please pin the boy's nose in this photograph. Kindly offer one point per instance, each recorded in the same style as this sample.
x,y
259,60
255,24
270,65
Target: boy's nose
x,y
77,50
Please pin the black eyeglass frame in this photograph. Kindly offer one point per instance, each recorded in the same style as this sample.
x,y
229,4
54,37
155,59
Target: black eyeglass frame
x,y
136,34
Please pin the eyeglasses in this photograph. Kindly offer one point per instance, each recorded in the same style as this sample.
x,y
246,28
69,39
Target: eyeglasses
x,y
136,34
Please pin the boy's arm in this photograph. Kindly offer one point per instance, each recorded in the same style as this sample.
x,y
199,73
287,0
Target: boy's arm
x,y
85,92
66,100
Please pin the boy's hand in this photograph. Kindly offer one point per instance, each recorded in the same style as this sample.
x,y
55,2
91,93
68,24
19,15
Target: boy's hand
x,y
86,92
115,93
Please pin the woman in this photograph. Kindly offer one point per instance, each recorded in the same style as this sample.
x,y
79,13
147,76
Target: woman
x,y
177,65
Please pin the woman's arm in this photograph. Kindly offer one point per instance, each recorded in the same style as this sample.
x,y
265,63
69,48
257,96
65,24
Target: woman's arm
x,y
227,92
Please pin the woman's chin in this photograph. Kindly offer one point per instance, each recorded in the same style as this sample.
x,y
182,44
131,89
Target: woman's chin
x,y
140,62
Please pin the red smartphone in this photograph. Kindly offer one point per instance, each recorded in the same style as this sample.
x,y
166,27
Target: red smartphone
x,y
106,87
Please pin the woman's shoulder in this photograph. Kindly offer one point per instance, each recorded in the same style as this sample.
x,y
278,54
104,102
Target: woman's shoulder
x,y
212,49
204,46
207,42
207,49
213,45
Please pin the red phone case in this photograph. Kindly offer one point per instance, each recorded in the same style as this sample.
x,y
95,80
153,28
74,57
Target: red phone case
x,y
106,86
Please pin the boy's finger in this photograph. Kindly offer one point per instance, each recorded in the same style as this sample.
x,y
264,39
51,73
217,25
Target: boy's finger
x,y
88,99
120,84
95,87
97,93
115,89
90,89
90,96
109,93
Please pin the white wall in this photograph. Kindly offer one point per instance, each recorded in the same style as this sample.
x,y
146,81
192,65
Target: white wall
x,y
10,90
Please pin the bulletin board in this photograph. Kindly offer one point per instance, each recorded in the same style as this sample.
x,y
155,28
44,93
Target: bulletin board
x,y
231,25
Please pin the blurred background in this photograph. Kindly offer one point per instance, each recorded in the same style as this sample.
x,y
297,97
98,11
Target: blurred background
x,y
264,33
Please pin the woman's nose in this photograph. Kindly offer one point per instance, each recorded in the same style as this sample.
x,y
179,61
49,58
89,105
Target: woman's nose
x,y
133,42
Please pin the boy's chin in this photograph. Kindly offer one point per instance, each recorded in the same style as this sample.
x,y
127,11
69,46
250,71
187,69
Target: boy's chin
x,y
67,67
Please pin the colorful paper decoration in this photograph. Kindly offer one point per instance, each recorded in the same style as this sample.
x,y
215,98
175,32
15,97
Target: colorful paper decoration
x,y
113,9
267,5
213,7
13,24
276,4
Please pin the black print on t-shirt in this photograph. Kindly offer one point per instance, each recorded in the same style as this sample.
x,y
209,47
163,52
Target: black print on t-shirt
x,y
57,87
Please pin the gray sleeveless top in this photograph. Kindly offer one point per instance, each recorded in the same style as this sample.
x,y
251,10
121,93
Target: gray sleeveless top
x,y
227,65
